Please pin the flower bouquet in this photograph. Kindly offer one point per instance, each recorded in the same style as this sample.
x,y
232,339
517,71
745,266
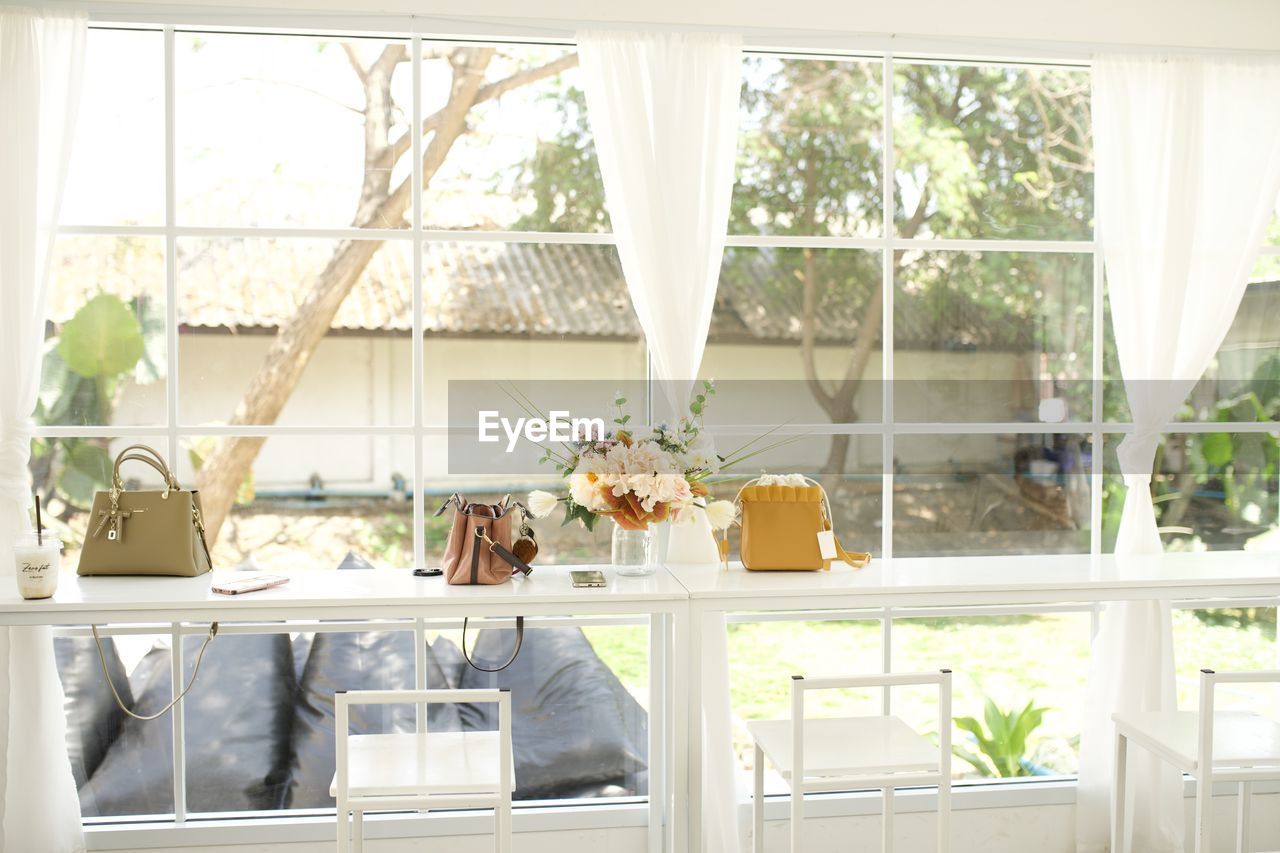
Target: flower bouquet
x,y
637,480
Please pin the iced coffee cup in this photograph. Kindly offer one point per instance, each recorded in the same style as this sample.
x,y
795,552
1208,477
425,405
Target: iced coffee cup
x,y
37,563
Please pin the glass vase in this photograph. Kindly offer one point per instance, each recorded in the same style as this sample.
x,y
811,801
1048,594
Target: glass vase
x,y
633,552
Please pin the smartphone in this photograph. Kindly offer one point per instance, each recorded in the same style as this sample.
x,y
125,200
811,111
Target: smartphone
x,y
587,579
252,584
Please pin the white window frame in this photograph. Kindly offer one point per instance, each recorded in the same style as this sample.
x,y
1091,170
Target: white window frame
x,y
120,833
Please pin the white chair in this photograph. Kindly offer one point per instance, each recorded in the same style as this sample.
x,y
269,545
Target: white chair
x,y
422,770
1223,746
857,752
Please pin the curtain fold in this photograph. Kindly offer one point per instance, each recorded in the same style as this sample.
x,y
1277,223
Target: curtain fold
x,y
41,65
663,109
1187,160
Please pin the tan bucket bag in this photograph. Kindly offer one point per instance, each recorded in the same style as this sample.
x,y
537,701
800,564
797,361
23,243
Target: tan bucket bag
x,y
145,532
789,527
482,551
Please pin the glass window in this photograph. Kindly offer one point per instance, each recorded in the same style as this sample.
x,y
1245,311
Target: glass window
x,y
993,337
116,175
1213,491
810,140
290,131
992,151
1032,668
253,310
524,158
106,358
1003,493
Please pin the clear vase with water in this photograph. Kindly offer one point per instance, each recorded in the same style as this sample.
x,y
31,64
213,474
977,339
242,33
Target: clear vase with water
x,y
634,552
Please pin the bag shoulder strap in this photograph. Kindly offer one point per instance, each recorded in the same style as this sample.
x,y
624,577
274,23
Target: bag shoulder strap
x,y
195,670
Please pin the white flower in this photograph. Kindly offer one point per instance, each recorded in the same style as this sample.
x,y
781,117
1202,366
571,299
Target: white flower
x,y
585,483
721,514
701,455
542,504
643,457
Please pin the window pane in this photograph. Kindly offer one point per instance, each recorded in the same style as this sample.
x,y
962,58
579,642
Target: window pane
x,y
520,311
524,160
274,130
238,295
993,336
809,152
1010,661
991,494
1225,639
305,503
764,655
105,359
783,314
992,152
68,472
1214,491
1243,381
116,175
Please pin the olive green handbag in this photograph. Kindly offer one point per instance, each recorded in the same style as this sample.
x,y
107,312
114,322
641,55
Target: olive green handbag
x,y
145,532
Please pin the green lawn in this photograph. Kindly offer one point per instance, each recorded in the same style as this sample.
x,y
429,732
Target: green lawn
x,y
1042,659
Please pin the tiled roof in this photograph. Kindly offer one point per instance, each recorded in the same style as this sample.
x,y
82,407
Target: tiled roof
x,y
534,289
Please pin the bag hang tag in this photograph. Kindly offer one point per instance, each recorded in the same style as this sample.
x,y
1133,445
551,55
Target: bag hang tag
x,y
827,544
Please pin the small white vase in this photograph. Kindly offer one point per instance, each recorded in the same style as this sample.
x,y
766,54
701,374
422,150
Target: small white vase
x,y
692,541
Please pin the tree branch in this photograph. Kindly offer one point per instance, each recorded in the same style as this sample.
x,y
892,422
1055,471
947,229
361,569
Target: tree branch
x,y
486,93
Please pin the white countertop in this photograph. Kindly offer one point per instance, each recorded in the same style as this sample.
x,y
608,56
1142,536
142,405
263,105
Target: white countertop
x,y
328,594
926,581
900,582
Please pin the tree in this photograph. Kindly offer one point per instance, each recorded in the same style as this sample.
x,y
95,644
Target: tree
x,y
380,204
979,152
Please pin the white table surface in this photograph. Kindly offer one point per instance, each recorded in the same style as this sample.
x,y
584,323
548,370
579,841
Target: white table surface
x,y
329,594
940,581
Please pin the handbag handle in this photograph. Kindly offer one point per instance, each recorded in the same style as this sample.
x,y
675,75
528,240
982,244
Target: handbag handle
x,y
519,642
195,670
148,455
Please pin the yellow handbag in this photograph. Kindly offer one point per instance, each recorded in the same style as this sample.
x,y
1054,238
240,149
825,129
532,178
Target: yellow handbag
x,y
786,525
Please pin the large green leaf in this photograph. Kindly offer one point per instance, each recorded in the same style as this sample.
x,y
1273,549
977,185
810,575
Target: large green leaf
x,y
87,470
103,339
1216,448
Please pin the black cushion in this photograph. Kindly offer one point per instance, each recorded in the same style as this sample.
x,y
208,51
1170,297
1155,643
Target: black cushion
x,y
449,657
369,660
574,725
93,717
238,719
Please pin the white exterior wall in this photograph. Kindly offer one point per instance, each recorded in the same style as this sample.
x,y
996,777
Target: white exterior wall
x,y
361,381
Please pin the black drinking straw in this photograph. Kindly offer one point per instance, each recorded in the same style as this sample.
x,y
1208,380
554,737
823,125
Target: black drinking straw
x,y
39,525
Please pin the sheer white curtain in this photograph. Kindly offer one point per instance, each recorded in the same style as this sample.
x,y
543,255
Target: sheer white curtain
x,y
41,62
664,111
1187,158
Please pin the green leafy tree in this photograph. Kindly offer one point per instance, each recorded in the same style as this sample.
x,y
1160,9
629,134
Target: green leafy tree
x,y
980,152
